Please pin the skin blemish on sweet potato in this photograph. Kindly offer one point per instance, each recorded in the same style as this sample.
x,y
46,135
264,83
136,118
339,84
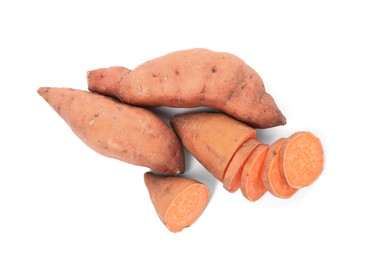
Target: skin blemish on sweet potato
x,y
120,80
202,94
229,96
243,85
214,69
91,122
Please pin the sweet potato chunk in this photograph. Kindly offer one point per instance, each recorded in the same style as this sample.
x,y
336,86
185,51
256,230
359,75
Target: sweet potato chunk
x,y
178,201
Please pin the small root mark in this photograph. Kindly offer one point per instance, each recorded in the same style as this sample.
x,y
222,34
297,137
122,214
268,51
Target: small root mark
x,y
229,96
202,94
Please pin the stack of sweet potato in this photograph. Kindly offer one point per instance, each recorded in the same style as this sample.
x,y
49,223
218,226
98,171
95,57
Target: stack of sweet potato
x,y
112,118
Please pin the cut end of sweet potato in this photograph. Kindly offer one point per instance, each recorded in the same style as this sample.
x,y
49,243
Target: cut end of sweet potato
x,y
187,207
301,159
178,201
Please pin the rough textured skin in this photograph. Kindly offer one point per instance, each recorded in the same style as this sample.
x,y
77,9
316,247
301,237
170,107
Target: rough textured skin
x,y
178,201
130,134
212,138
193,78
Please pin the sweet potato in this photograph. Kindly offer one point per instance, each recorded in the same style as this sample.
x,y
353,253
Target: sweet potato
x,y
193,78
127,133
272,178
178,201
232,177
212,138
301,159
251,180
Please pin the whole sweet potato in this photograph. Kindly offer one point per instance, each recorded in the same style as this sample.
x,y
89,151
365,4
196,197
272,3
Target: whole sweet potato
x,y
127,133
193,78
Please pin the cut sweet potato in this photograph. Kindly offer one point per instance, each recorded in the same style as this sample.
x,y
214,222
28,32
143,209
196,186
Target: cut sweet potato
x,y
232,178
301,159
178,201
212,138
251,180
272,178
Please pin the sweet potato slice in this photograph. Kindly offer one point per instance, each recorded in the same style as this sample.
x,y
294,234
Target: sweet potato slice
x,y
301,159
272,178
232,178
251,180
212,138
178,201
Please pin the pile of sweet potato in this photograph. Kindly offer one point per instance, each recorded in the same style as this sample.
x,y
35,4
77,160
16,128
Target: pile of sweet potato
x,y
113,119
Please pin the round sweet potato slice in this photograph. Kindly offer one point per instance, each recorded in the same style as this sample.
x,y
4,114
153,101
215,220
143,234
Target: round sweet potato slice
x,y
272,178
251,180
301,159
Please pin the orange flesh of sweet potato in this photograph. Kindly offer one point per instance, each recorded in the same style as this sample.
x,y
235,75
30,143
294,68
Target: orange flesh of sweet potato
x,y
301,159
272,178
113,129
232,178
178,201
193,78
212,138
251,180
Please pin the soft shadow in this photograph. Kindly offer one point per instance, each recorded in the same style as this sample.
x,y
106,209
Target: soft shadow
x,y
195,170
165,112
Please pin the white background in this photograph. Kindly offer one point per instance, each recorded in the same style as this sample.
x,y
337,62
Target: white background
x,y
61,200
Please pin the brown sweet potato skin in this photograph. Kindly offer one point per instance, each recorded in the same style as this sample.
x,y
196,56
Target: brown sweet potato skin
x,y
193,78
113,129
212,138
